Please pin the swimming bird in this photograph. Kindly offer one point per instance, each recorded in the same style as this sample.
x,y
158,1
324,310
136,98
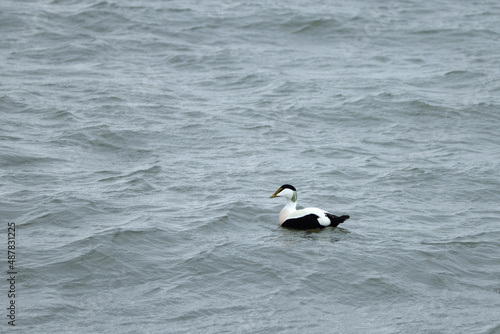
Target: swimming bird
x,y
305,219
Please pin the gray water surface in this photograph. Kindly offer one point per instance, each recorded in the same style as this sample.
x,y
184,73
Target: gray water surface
x,y
141,140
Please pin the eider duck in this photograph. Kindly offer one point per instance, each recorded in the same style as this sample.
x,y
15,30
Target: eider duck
x,y
305,219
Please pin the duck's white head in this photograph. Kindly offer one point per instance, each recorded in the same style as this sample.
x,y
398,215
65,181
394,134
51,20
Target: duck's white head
x,y
287,191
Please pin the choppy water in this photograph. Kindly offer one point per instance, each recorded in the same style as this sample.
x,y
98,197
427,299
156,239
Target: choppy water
x,y
140,141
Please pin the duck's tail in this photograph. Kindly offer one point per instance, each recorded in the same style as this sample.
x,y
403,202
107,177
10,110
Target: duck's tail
x,y
336,220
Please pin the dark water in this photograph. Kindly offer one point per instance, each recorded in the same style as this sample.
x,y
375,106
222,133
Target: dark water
x,y
140,141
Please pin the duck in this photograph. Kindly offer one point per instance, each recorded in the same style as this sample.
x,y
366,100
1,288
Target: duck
x,y
303,219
